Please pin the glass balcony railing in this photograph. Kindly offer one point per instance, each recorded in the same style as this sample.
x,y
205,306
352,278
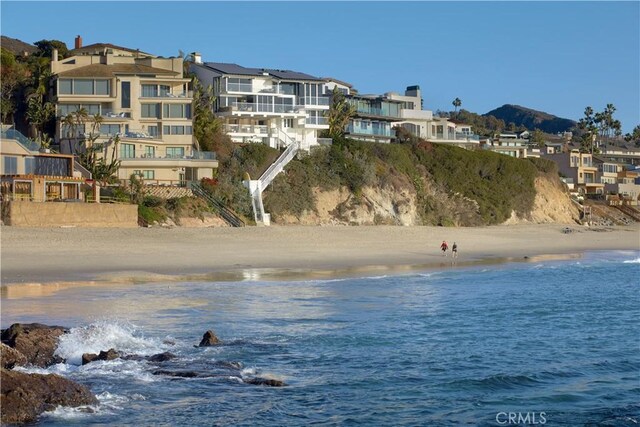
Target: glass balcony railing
x,y
314,100
23,140
169,95
115,114
264,108
196,155
317,121
370,130
252,129
239,87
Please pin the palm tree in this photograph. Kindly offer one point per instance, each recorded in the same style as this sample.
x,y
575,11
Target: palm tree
x,y
340,112
457,103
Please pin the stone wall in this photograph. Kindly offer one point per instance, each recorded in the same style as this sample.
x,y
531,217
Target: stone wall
x,y
57,214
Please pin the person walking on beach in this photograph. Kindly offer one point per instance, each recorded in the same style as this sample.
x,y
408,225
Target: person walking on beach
x,y
444,248
454,250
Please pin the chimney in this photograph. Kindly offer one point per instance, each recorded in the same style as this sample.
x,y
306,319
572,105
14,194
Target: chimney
x,y
54,55
78,42
196,57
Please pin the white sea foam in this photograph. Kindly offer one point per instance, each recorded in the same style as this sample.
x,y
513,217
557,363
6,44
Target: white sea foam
x,y
102,336
136,370
247,371
109,403
632,261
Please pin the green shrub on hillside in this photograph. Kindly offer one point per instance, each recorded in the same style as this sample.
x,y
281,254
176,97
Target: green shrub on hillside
x,y
498,184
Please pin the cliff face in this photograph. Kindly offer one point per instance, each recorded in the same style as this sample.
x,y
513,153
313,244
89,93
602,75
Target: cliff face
x,y
390,206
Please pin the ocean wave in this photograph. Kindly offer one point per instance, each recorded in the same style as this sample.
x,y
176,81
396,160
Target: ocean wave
x,y
109,404
497,382
631,261
104,335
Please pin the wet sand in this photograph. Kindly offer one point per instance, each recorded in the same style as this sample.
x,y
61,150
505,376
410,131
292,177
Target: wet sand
x,y
65,257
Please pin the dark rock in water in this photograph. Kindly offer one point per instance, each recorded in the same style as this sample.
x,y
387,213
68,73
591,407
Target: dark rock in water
x,y
209,339
37,342
104,355
135,357
181,374
25,396
10,357
228,365
265,381
161,357
169,342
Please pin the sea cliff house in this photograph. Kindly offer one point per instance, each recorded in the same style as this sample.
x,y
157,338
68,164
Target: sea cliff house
x,y
260,105
143,106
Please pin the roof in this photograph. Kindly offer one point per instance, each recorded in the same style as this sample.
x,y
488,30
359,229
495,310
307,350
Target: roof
x,y
102,46
103,70
331,79
227,68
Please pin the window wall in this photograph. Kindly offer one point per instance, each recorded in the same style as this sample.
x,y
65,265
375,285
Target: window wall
x,y
84,87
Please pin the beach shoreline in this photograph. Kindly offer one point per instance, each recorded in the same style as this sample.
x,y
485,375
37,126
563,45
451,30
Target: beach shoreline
x,y
48,259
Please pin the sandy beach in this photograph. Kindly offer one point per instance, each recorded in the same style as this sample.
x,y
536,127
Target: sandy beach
x,y
62,255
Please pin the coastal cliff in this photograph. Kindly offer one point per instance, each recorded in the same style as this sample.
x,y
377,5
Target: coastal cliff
x,y
417,184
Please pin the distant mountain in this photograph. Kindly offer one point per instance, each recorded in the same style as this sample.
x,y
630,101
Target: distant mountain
x,y
17,47
531,119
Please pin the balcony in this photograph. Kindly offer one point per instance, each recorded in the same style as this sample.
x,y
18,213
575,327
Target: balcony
x,y
115,115
320,121
385,133
460,136
168,95
136,134
248,129
249,107
196,159
378,112
240,87
322,101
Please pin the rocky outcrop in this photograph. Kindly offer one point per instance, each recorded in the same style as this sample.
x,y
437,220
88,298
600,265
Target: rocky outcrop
x,y
25,396
209,339
161,357
10,357
104,355
265,381
35,341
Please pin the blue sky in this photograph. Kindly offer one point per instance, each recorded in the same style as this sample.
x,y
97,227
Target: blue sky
x,y
555,57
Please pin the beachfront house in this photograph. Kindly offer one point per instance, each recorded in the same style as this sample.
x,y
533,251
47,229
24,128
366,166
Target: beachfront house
x,y
374,118
143,106
31,173
579,169
268,106
423,124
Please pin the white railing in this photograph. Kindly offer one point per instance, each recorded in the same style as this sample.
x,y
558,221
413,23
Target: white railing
x,y
252,129
278,166
252,107
314,100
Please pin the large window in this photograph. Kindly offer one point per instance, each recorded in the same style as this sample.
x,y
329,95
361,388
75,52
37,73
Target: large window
x,y
10,165
177,130
83,87
175,152
239,85
152,131
154,91
150,111
177,111
148,174
109,129
149,151
29,165
126,95
127,151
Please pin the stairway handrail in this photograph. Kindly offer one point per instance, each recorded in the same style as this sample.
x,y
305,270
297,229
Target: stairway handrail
x,y
227,214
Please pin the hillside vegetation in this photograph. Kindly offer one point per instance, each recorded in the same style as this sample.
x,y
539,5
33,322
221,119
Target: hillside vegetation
x,y
531,119
417,184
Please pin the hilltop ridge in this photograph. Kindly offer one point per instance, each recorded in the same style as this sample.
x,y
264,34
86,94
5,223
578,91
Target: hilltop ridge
x,y
531,119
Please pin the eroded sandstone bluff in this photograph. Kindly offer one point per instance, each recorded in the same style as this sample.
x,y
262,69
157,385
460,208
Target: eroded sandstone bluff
x,y
386,205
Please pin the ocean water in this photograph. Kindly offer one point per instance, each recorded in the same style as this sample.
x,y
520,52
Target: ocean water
x,y
533,343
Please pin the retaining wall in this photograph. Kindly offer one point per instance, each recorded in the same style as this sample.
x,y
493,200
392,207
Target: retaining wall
x,y
57,214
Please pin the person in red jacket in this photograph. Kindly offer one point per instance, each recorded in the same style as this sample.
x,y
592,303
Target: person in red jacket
x,y
444,248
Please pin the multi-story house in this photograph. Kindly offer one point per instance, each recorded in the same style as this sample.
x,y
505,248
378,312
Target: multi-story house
x,y
31,174
423,124
617,179
579,169
273,107
144,107
374,118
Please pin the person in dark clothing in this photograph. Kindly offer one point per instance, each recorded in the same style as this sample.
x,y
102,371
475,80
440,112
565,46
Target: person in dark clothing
x,y
454,250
